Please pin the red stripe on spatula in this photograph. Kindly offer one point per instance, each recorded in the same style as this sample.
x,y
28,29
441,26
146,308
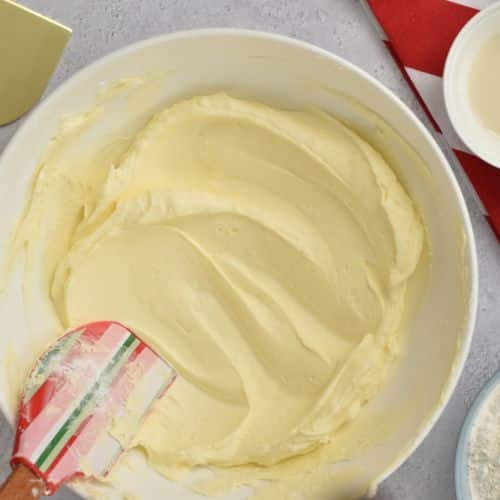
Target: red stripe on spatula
x,y
43,395
84,439
50,482
72,389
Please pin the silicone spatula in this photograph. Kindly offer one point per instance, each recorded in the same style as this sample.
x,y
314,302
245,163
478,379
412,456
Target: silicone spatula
x,y
82,404
30,48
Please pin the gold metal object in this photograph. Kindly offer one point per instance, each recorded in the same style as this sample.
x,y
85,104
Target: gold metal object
x,y
30,48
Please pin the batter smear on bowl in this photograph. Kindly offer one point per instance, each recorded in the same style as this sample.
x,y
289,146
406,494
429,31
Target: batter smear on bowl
x,y
265,254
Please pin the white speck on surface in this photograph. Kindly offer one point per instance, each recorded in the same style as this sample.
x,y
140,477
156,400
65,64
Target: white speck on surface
x,y
483,459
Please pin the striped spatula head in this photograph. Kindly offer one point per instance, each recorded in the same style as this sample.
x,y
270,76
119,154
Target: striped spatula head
x,y
85,400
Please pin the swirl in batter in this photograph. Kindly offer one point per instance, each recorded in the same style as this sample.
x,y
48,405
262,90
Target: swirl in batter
x,y
265,254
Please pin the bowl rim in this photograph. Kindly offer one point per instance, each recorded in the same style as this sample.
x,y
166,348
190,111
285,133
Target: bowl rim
x,y
469,249
452,60
462,486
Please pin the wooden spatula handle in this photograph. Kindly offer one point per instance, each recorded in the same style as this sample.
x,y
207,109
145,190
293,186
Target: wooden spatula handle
x,y
22,484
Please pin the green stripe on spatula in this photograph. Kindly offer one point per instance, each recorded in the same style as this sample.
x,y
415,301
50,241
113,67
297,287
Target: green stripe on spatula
x,y
85,405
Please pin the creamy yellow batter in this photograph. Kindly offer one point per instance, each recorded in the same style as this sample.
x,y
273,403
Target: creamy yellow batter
x,y
265,254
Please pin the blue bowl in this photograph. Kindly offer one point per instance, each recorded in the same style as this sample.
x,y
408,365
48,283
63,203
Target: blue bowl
x,y
461,477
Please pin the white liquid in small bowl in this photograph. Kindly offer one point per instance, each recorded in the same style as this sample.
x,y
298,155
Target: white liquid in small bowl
x,y
484,84
472,84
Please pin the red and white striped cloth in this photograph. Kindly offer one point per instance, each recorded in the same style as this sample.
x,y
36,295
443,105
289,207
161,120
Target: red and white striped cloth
x,y
419,34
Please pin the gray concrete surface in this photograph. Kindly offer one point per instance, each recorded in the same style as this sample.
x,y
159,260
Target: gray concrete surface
x,y
101,26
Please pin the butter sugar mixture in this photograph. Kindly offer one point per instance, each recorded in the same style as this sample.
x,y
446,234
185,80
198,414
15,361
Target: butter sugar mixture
x,y
265,254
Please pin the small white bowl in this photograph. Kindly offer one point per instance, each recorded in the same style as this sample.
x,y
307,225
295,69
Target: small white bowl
x,y
481,141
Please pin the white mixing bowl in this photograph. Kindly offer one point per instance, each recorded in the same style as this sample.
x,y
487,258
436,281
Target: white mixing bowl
x,y
290,73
